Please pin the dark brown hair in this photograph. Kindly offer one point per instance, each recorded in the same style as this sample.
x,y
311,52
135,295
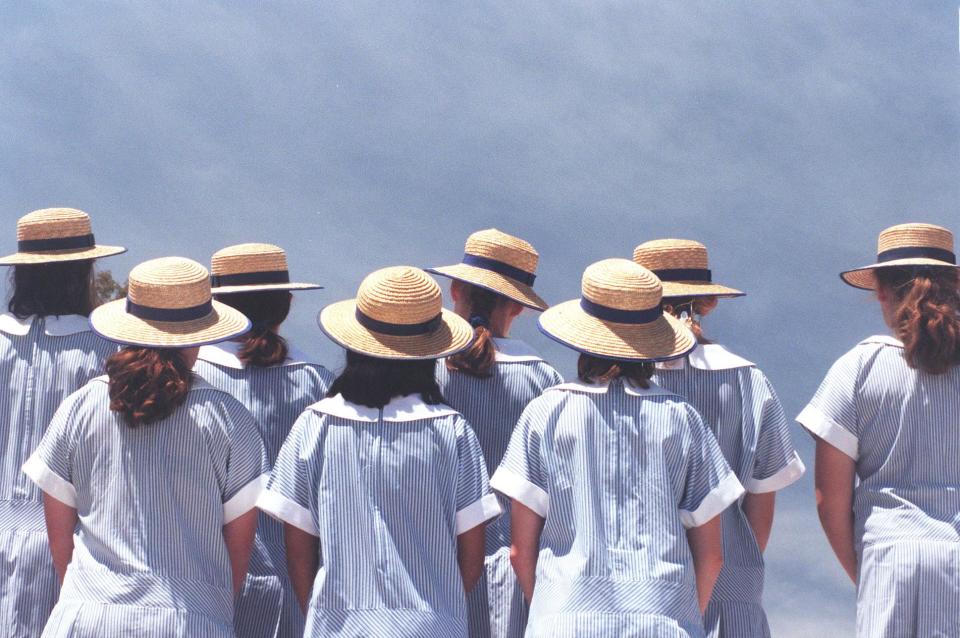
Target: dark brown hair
x,y
478,359
692,306
262,347
927,314
57,288
372,381
147,384
591,369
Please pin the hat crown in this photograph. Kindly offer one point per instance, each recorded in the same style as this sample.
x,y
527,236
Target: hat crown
x,y
169,282
671,254
246,258
399,295
494,244
915,235
621,284
52,223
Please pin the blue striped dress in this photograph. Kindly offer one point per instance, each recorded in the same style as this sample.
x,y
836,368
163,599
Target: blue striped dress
x,y
619,474
276,396
42,361
741,408
492,405
387,491
902,428
149,557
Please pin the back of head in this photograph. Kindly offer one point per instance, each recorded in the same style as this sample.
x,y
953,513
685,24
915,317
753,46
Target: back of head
x,y
478,359
926,314
261,347
591,369
55,288
373,381
147,384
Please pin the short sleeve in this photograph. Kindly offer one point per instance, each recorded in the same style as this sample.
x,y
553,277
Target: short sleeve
x,y
291,491
709,485
520,475
476,504
832,412
247,465
776,463
51,464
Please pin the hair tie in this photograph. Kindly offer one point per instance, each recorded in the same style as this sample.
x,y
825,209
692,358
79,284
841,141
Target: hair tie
x,y
479,321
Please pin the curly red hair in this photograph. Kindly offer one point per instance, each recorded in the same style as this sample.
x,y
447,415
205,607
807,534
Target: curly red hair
x,y
147,384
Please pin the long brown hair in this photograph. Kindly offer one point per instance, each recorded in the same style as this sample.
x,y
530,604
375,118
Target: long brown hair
x,y
147,384
57,288
591,369
693,306
478,359
262,347
926,315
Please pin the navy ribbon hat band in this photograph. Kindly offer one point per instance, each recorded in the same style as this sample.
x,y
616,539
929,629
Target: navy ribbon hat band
x,y
911,252
617,315
169,314
684,274
251,278
55,243
499,267
398,329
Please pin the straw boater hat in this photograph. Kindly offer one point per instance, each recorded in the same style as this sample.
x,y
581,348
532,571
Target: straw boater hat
x,y
501,263
397,314
252,268
906,245
619,316
56,234
682,267
168,306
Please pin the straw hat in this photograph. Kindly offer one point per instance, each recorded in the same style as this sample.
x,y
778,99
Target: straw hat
x,y
906,245
252,268
168,306
681,265
56,234
397,314
501,263
619,316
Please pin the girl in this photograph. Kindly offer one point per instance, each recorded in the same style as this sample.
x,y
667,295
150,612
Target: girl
x,y
887,423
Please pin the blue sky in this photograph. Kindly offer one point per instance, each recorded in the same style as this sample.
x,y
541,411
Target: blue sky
x,y
359,135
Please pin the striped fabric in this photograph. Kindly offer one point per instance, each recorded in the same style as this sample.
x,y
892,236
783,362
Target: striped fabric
x,y
739,405
619,473
267,607
386,491
149,557
492,406
42,361
902,427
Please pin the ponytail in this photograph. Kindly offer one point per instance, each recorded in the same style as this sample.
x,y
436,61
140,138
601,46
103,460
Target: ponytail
x,y
693,307
478,359
147,384
261,347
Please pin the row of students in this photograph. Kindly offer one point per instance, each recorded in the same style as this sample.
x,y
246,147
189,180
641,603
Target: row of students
x,y
615,481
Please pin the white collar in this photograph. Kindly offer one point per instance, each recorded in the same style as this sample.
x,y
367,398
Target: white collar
x,y
707,356
602,388
407,408
53,326
226,353
514,351
885,340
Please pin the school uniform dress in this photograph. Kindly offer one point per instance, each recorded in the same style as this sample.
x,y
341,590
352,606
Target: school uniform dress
x,y
149,557
266,606
742,410
902,428
386,491
42,361
492,405
619,474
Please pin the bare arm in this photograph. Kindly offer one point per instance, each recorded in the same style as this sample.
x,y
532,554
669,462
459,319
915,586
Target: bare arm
x,y
834,481
758,509
706,545
525,529
303,561
61,522
470,551
238,535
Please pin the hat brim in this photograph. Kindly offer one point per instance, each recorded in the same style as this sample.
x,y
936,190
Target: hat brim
x,y
692,289
227,290
52,256
660,340
112,321
864,279
339,322
494,282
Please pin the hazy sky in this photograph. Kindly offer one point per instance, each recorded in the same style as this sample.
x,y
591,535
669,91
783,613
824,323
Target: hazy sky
x,y
359,135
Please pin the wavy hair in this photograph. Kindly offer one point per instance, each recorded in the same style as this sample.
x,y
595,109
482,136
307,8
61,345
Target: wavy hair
x,y
478,359
147,384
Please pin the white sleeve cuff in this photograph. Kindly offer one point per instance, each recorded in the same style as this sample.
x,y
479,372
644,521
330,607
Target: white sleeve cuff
x,y
519,488
719,499
49,481
283,509
788,474
244,500
476,513
829,430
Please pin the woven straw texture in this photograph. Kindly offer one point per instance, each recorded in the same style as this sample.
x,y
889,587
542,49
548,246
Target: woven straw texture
x,y
168,283
624,285
903,236
249,258
670,254
494,244
55,223
396,295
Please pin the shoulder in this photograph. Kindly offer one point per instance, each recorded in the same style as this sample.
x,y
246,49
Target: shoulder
x,y
862,354
708,356
201,391
399,410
